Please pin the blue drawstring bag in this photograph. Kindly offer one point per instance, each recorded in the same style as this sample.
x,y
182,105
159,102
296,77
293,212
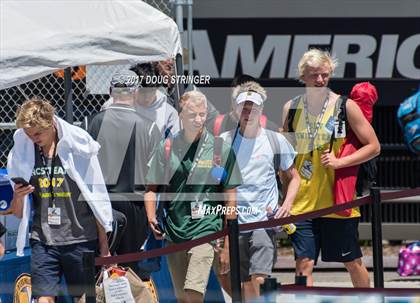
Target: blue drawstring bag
x,y
409,119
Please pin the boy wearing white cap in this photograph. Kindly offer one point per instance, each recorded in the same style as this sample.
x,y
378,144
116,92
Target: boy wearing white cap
x,y
258,196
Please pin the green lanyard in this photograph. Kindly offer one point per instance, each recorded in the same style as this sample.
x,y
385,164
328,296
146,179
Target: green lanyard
x,y
201,147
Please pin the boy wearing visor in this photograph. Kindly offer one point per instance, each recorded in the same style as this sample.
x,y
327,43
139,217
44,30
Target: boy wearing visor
x,y
260,155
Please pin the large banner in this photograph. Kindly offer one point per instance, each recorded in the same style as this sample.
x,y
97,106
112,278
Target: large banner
x,y
385,51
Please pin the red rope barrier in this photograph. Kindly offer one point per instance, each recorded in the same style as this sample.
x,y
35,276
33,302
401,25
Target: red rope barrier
x,y
401,194
132,257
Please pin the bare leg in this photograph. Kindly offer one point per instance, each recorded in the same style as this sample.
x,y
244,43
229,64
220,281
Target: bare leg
x,y
358,273
305,266
1,248
224,281
252,288
46,300
193,296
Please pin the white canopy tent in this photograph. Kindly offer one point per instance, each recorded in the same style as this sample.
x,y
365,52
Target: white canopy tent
x,y
40,37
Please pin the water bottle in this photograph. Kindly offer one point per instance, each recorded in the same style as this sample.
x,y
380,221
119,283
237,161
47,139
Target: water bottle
x,y
289,228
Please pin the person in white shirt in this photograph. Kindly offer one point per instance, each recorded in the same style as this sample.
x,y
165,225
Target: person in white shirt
x,y
258,195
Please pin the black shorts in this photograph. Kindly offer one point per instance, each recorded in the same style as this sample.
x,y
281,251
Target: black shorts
x,y
337,239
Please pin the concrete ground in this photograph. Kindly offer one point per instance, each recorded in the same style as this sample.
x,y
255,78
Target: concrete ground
x,y
334,274
340,278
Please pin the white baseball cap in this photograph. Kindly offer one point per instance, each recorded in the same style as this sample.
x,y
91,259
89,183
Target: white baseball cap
x,y
250,96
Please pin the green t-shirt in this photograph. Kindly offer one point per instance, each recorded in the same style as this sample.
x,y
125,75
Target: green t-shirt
x,y
189,171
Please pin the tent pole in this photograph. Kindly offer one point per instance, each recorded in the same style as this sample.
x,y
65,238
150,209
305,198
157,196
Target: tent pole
x,y
179,86
190,35
68,95
179,17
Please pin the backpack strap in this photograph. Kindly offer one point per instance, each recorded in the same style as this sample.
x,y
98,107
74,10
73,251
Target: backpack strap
x,y
217,151
263,121
340,115
340,110
163,205
275,147
230,136
218,124
292,112
167,147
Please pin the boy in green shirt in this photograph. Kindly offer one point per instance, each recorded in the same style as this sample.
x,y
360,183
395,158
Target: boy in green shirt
x,y
194,194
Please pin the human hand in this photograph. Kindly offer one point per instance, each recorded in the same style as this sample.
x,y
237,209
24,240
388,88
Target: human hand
x,y
157,232
218,247
104,252
283,211
329,160
20,191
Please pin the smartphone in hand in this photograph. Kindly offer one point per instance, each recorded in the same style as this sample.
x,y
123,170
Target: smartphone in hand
x,y
159,227
20,180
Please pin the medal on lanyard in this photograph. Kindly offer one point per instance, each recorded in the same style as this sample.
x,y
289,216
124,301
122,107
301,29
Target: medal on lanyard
x,y
54,213
306,169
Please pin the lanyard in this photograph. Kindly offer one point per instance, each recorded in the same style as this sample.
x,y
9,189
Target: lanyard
x,y
235,145
312,135
198,155
47,172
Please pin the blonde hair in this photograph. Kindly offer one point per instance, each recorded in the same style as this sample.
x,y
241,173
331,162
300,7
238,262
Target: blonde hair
x,y
35,112
194,97
316,58
249,86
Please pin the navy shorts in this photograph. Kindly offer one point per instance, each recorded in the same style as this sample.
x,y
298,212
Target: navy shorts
x,y
49,263
305,241
337,239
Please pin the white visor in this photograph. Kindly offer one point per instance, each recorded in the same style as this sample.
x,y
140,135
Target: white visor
x,y
249,96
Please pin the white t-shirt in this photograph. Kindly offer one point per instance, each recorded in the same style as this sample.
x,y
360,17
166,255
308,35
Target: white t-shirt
x,y
255,159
